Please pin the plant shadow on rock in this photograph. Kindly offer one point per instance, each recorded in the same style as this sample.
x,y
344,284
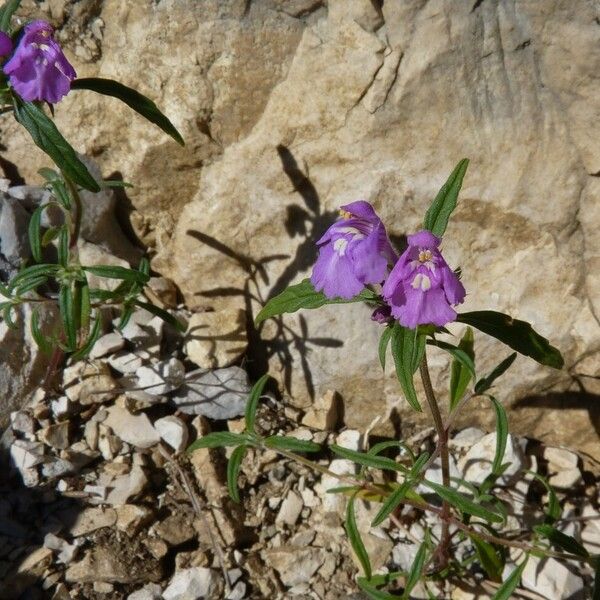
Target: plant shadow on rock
x,y
308,222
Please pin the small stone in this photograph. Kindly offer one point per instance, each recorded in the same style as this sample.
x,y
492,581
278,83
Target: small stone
x,y
91,434
325,412
350,439
26,454
194,583
566,479
91,519
476,464
14,241
466,438
143,329
61,407
136,430
132,517
66,551
157,547
216,339
89,383
22,422
560,458
152,591
220,394
173,431
108,444
295,565
550,578
102,587
57,467
290,510
30,569
126,363
56,436
162,377
162,291
176,529
238,591
127,487
107,344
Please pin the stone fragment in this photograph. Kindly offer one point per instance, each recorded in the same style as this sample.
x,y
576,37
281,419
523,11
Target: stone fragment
x,y
107,344
220,394
61,407
94,255
238,592
295,565
91,519
350,438
152,591
89,383
130,518
173,431
91,434
290,510
194,583
56,436
14,221
476,464
216,339
560,458
143,329
136,430
127,487
324,413
29,571
465,438
66,551
176,529
551,578
162,291
22,422
25,454
126,363
162,377
109,445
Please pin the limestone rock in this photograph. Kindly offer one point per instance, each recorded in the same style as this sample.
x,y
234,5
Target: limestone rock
x,y
91,519
173,431
197,582
217,338
133,429
295,565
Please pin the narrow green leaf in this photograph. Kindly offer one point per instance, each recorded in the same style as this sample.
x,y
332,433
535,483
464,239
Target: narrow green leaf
x,y
372,592
35,239
458,354
415,570
46,270
50,175
501,434
115,183
6,12
279,442
50,235
163,314
419,464
64,238
407,349
460,373
142,105
355,539
125,316
252,405
85,305
47,137
436,218
66,307
7,316
505,591
383,345
40,339
392,502
233,470
488,556
487,382
29,284
218,439
369,460
562,540
553,510
86,348
115,272
518,335
463,503
303,295
343,489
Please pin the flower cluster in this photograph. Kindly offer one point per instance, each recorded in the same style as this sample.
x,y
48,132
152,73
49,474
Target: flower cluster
x,y
38,69
421,288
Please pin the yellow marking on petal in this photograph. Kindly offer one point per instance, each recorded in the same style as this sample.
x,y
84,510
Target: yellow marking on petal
x,y
345,214
425,256
421,282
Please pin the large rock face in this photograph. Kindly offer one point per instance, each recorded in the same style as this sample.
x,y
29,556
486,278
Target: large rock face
x,y
292,108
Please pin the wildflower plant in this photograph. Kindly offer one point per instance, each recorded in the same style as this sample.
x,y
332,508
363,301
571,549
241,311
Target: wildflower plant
x,y
34,75
413,298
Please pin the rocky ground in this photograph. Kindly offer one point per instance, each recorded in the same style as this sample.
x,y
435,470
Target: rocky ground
x,y
100,502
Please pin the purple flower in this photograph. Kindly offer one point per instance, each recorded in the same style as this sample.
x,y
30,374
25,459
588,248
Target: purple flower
x,y
422,288
38,70
354,251
5,44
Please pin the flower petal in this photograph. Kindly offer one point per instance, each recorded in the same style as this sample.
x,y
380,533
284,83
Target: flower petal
x,y
333,275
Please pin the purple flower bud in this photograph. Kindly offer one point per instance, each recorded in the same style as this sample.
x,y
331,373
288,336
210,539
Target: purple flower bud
x,y
5,44
38,69
382,315
422,288
354,251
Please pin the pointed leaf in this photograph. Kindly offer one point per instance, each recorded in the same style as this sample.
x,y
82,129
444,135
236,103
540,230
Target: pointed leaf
x,y
383,345
252,405
92,339
40,339
142,105
115,272
303,295
408,347
64,238
436,218
485,383
460,373
392,502
518,335
233,470
372,592
163,314
47,137
489,558
355,539
35,238
415,570
6,12
369,460
501,434
562,540
505,591
279,442
67,313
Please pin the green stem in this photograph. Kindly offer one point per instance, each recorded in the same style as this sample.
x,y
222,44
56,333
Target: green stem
x,y
442,552
78,211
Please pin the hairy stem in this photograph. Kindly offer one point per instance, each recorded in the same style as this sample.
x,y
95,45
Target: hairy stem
x,y
442,552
